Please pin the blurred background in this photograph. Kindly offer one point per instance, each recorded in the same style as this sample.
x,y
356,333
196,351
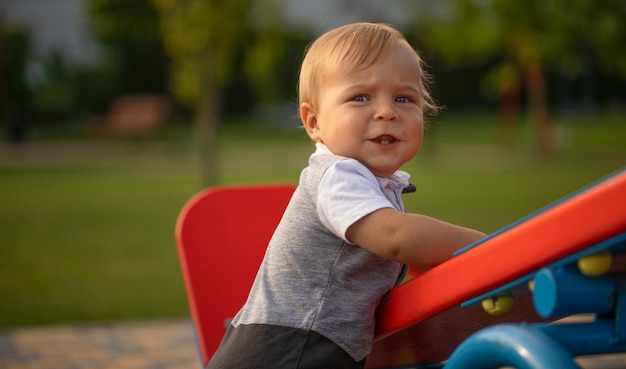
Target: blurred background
x,y
113,113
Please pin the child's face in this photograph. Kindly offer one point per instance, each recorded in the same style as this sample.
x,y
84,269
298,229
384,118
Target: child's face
x,y
373,115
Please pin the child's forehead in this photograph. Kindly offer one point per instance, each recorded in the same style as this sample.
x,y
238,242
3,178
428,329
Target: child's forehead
x,y
359,59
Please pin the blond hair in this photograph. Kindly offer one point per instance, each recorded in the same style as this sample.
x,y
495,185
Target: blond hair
x,y
361,44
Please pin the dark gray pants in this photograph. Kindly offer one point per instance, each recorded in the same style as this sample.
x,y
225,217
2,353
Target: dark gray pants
x,y
260,346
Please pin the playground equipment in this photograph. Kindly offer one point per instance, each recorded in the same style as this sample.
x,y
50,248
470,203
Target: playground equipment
x,y
494,304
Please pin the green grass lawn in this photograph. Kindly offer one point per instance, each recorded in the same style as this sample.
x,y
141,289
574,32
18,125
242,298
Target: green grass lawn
x,y
85,244
87,228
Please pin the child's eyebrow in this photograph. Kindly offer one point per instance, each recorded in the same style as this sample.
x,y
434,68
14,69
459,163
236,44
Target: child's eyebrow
x,y
359,86
411,88
367,86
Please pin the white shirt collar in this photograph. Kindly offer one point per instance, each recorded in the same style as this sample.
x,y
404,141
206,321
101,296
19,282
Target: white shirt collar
x,y
399,179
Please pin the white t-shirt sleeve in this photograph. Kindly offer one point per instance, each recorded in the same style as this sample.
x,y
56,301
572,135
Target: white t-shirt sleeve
x,y
348,191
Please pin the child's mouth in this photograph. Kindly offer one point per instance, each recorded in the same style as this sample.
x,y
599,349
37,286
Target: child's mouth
x,y
385,140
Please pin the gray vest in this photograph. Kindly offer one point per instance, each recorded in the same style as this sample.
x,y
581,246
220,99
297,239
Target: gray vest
x,y
313,280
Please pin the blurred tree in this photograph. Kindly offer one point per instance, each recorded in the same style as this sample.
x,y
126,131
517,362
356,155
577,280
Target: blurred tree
x,y
64,94
15,93
203,39
529,36
266,65
129,32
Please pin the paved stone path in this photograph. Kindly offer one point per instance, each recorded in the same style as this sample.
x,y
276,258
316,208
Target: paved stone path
x,y
137,345
143,345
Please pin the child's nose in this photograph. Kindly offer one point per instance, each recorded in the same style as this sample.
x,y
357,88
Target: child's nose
x,y
386,111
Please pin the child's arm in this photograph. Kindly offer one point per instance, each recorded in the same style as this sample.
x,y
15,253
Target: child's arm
x,y
410,238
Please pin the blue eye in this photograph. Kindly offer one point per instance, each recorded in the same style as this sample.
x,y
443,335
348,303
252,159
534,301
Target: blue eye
x,y
360,98
403,99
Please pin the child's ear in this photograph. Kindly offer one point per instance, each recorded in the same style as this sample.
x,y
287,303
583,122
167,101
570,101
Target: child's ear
x,y
309,120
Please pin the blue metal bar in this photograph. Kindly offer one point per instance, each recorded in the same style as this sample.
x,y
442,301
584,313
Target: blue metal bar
x,y
620,310
593,338
566,291
520,346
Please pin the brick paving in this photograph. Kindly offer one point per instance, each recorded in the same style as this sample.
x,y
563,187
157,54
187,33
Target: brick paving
x,y
136,345
165,344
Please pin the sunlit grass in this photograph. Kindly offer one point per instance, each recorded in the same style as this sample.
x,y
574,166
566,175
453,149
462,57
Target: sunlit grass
x,y
84,244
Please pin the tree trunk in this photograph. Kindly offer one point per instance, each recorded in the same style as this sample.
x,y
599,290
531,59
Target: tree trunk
x,y
207,113
537,103
508,106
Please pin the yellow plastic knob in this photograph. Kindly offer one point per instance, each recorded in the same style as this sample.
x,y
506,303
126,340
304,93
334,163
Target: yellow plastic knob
x,y
595,264
497,305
